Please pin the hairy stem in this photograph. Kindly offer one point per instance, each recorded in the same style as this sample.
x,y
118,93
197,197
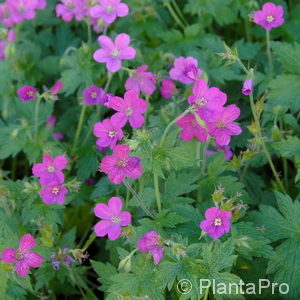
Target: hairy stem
x,y
36,116
173,14
138,199
157,193
269,52
79,127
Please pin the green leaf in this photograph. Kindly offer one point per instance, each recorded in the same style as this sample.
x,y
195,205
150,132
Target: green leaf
x,y
289,55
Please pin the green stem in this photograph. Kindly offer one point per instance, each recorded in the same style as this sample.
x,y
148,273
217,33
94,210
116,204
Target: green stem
x,y
157,193
109,79
97,114
260,136
269,52
89,241
203,167
267,153
36,116
79,127
206,294
89,31
178,10
173,14
172,123
138,199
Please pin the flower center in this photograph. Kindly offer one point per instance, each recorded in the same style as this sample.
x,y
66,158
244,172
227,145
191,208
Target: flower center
x,y
109,9
115,53
112,133
270,19
218,222
94,95
19,255
201,101
55,191
116,220
30,93
220,125
50,169
122,163
129,111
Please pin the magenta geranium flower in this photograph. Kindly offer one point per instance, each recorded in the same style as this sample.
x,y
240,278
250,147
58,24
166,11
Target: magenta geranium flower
x,y
107,133
247,87
113,218
206,97
23,258
141,81
185,69
168,88
93,95
220,124
54,194
151,242
120,164
49,170
270,16
112,53
128,109
217,222
5,15
27,93
56,87
109,10
51,121
69,9
22,9
58,136
191,129
2,50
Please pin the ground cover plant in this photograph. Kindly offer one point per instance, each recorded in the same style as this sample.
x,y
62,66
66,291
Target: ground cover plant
x,y
149,149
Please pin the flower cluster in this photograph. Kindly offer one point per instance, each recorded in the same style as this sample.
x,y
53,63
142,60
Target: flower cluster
x,y
52,178
23,257
208,117
13,12
100,14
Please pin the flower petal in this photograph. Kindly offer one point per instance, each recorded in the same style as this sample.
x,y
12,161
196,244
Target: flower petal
x,y
27,242
22,268
33,259
115,206
8,255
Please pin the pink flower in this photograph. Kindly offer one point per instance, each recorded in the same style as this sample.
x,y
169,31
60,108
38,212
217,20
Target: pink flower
x,y
51,121
247,87
56,88
22,9
2,50
49,170
113,218
93,95
23,257
41,4
129,109
107,133
54,193
220,124
270,16
112,53
58,136
27,93
141,81
119,165
69,9
205,97
217,222
191,129
109,10
5,15
185,69
151,242
168,88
